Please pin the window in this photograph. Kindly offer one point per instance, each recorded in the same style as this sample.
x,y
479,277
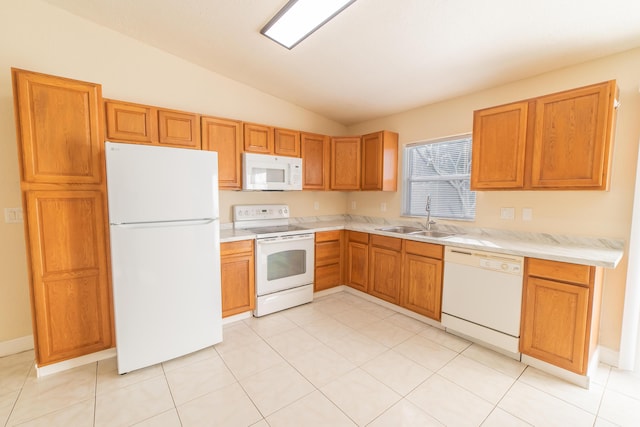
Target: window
x,y
441,169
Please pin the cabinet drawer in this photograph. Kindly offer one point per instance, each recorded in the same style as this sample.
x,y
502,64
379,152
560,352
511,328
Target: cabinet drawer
x,y
327,252
356,236
392,243
232,248
561,271
327,276
326,236
425,249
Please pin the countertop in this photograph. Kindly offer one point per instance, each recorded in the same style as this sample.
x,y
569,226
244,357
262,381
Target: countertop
x,y
599,252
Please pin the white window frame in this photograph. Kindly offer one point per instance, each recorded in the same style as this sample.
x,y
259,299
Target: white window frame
x,y
406,197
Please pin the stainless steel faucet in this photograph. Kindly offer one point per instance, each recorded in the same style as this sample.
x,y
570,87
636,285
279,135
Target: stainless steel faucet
x,y
428,208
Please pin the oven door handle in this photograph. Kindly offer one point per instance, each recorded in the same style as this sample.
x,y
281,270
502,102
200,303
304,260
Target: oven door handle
x,y
282,239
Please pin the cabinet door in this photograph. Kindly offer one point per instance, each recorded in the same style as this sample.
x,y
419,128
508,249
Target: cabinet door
x,y
554,323
59,122
237,277
258,138
499,140
380,161
572,143
71,292
225,137
316,154
328,260
357,260
128,122
179,129
345,163
286,142
385,273
422,285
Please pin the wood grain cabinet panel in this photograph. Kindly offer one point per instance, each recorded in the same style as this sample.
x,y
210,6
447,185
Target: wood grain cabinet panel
x,y
357,260
237,273
59,122
225,137
380,161
328,259
499,140
127,122
560,318
69,270
421,289
561,141
345,163
573,134
385,268
316,155
258,138
179,129
286,142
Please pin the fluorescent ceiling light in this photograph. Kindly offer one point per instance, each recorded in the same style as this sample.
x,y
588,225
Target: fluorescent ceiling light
x,y
299,18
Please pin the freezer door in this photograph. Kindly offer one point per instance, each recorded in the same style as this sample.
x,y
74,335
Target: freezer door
x,y
166,289
149,184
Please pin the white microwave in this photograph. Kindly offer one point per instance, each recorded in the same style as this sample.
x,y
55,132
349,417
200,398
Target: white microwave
x,y
265,172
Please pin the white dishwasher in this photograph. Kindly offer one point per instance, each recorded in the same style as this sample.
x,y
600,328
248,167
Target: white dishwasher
x,y
482,297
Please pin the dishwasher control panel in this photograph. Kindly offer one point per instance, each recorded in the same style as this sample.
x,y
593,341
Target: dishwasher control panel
x,y
498,265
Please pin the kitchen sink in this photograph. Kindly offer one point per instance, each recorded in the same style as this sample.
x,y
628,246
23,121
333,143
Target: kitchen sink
x,y
431,233
402,229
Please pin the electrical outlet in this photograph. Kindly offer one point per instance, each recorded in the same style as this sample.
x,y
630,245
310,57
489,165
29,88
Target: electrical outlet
x,y
507,213
527,214
383,207
12,215
316,205
353,205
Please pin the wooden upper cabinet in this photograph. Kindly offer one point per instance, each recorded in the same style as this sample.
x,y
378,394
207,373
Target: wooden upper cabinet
x,y
225,137
380,161
59,125
499,139
316,155
561,141
345,163
145,124
573,134
286,142
178,129
129,122
258,138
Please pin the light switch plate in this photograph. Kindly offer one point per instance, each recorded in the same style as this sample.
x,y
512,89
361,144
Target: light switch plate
x,y
13,215
353,205
383,207
316,205
527,214
507,213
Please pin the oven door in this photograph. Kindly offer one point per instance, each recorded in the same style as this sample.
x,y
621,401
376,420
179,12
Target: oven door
x,y
284,262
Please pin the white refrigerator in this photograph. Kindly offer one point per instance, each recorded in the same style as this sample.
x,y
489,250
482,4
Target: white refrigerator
x,y
165,252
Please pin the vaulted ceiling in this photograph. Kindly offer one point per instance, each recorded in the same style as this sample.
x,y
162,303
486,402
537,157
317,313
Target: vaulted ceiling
x,y
377,57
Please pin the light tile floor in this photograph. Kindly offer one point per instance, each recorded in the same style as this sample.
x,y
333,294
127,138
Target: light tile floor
x,y
340,361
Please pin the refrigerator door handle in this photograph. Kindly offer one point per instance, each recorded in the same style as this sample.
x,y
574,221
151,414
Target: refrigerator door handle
x,y
165,223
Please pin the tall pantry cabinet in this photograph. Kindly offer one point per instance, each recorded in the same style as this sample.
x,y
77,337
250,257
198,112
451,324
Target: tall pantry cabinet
x,y
61,156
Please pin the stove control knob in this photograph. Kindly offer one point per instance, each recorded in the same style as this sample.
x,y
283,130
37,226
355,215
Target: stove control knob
x,y
284,211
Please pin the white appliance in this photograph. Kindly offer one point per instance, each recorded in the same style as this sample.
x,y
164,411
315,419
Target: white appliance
x,y
165,252
482,297
265,172
284,257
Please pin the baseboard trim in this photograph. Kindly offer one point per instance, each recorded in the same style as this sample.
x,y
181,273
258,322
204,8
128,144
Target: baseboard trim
x,y
609,356
237,317
17,345
43,371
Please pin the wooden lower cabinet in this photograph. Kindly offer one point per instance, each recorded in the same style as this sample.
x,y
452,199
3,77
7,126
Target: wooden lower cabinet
x,y
422,278
357,260
385,267
560,319
69,272
237,273
328,259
